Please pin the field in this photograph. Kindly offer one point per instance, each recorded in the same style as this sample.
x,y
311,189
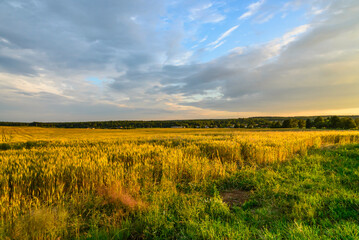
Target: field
x,y
178,184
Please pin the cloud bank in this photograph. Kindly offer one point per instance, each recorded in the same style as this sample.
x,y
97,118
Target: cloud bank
x,y
139,52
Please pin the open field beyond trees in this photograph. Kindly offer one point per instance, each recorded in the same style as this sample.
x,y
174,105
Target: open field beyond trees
x,y
178,184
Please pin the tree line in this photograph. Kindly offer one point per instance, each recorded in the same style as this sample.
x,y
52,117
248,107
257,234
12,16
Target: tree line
x,y
333,122
319,122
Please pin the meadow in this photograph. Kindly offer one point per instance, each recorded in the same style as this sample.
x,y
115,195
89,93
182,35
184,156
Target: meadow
x,y
178,184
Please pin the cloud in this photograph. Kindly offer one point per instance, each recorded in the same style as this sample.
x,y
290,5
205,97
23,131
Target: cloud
x,y
56,46
236,50
275,46
16,66
311,68
81,35
49,48
252,9
223,36
206,14
203,39
218,45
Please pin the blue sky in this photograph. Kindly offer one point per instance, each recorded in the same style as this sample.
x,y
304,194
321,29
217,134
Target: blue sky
x,y
267,21
112,60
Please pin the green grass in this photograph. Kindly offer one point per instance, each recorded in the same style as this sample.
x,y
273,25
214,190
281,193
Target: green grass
x,y
311,197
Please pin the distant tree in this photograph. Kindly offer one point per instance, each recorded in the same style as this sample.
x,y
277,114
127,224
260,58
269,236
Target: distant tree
x,y
301,123
294,123
308,123
348,123
290,123
335,122
319,122
276,124
286,123
34,124
357,122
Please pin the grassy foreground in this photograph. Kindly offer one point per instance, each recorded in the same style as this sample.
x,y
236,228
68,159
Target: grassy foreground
x,y
170,184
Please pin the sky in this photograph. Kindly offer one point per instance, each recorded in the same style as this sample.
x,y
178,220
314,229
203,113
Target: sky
x,y
90,60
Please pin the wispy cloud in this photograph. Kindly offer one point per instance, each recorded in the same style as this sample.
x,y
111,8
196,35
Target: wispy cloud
x,y
223,36
273,47
206,14
252,9
236,50
203,39
315,10
265,17
4,40
218,45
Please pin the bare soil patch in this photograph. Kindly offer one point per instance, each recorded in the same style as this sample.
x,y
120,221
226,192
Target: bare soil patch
x,y
329,146
235,197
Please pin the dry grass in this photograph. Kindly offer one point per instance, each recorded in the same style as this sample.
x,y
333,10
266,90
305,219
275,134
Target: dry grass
x,y
117,195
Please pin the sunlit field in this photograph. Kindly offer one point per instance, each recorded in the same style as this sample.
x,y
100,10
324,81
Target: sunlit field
x,y
175,183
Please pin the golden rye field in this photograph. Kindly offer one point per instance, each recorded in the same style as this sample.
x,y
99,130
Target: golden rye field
x,y
92,183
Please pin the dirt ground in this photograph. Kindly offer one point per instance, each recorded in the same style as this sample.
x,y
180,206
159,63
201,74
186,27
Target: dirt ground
x,y
235,197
